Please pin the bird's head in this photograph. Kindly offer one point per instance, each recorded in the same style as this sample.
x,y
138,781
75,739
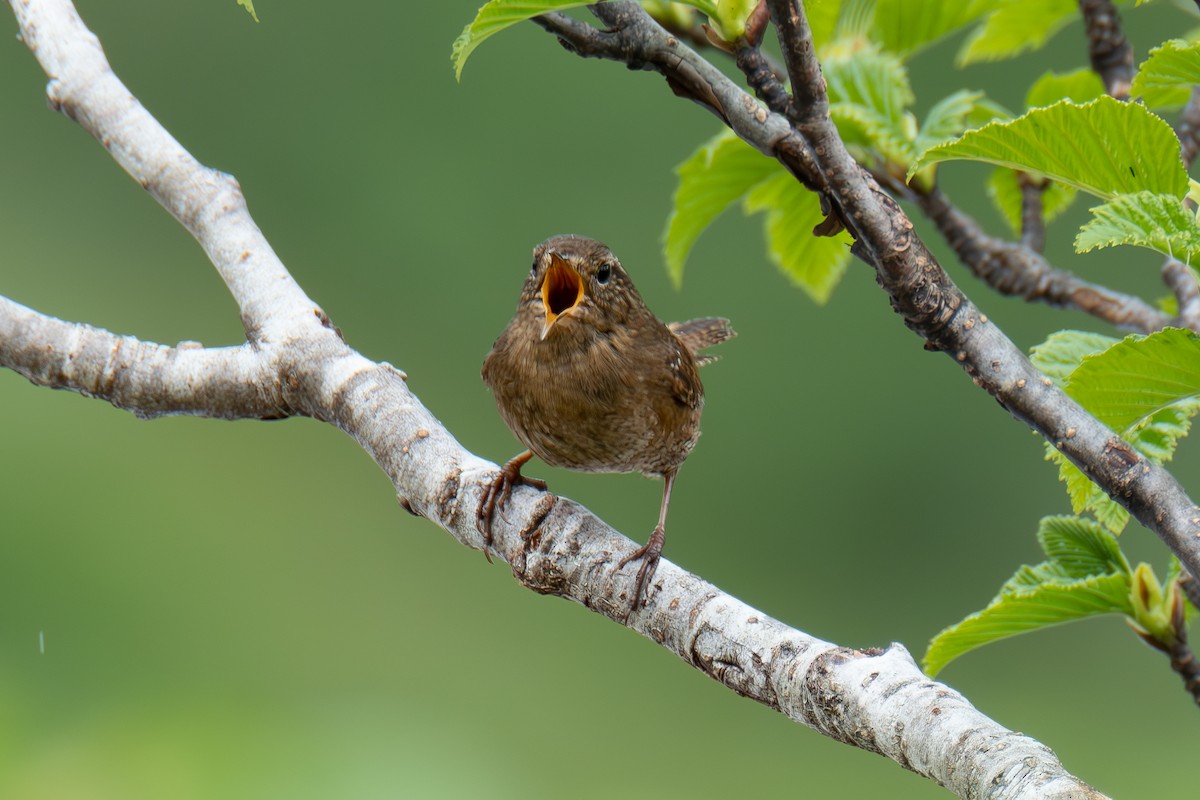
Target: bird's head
x,y
578,282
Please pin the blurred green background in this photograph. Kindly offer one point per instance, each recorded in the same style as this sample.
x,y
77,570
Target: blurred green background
x,y
241,610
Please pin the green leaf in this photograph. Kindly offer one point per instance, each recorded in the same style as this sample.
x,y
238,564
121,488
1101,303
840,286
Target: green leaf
x,y
869,95
1125,385
1016,612
1080,547
713,178
1167,76
1147,389
1079,86
823,22
1004,188
1145,219
948,118
724,170
1015,27
907,26
249,6
493,17
1104,147
1063,351
814,263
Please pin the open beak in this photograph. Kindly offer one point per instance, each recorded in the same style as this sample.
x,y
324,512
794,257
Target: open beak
x,y
562,290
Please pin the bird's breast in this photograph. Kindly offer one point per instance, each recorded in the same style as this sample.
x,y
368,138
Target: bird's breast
x,y
602,404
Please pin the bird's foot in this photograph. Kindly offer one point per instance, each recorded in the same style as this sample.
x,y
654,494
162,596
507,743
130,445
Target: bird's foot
x,y
649,553
496,494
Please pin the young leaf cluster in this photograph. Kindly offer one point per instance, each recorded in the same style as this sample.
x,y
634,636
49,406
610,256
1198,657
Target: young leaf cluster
x,y
1121,153
1085,574
870,100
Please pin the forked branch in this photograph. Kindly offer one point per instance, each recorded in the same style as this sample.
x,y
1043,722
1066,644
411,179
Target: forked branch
x,y
295,362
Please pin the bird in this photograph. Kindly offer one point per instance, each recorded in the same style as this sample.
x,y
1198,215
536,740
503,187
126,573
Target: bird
x,y
587,378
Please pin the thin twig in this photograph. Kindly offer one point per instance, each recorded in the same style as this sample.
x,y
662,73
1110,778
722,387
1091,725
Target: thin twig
x,y
1109,51
1016,270
1181,280
1033,223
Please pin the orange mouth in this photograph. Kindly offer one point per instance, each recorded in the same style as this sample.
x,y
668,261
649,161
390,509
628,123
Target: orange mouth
x,y
562,290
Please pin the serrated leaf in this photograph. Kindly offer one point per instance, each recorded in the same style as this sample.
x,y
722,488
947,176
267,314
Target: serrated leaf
x,y
1063,351
714,177
1159,435
1079,87
907,26
493,17
1080,547
496,15
1087,496
1167,76
1129,382
814,263
1029,610
1015,27
869,95
1147,393
1104,147
1144,219
249,6
1004,189
948,118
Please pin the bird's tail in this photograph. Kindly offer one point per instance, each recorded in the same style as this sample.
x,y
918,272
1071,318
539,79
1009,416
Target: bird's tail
x,y
698,334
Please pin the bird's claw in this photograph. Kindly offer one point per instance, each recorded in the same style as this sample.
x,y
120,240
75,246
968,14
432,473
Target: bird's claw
x,y
496,495
649,553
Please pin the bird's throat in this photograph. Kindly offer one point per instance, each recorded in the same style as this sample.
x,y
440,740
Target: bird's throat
x,y
562,290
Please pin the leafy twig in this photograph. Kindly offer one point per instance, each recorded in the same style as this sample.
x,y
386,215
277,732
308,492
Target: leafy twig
x,y
1017,270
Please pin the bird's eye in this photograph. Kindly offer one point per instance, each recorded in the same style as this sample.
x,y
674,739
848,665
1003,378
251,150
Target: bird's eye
x,y
604,273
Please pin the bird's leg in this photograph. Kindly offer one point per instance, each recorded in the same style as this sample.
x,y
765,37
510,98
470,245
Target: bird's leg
x,y
652,549
496,495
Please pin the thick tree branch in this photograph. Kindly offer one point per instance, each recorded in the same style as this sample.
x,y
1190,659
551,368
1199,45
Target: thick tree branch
x,y
148,379
296,363
208,203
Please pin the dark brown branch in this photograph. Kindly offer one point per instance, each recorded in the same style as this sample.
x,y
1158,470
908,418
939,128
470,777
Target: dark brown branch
x,y
1184,662
1016,270
1033,224
1109,51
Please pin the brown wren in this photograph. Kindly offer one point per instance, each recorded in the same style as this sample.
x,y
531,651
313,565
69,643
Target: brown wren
x,y
587,378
